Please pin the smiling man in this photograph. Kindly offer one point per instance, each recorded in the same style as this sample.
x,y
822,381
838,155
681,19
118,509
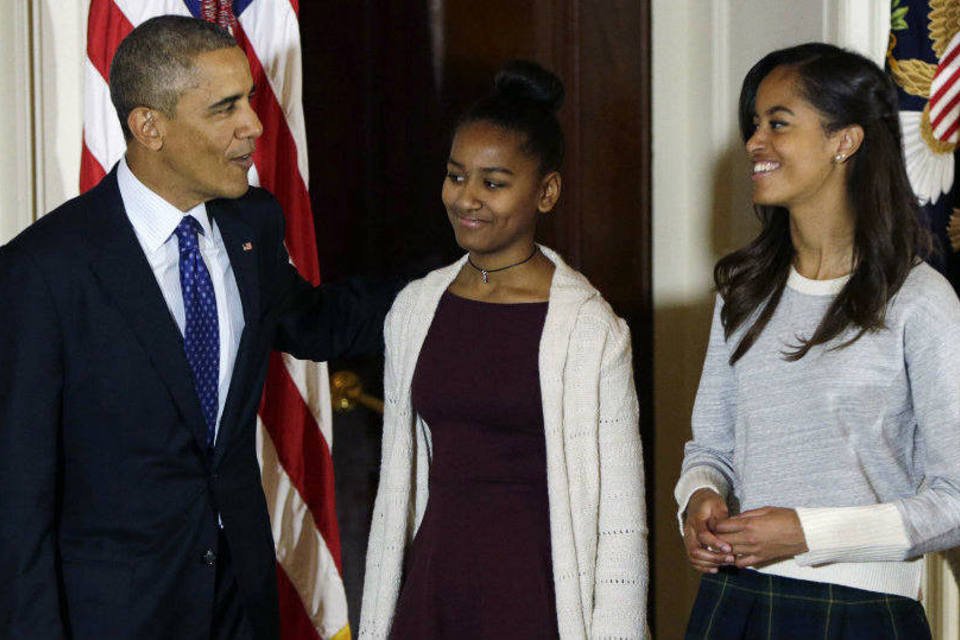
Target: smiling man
x,y
134,334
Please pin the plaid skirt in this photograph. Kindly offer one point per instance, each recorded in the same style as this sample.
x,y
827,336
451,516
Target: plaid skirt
x,y
747,605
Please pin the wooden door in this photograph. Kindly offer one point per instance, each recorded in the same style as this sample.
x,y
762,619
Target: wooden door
x,y
383,81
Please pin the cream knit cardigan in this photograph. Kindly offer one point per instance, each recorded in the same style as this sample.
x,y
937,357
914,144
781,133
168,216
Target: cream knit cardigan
x,y
598,527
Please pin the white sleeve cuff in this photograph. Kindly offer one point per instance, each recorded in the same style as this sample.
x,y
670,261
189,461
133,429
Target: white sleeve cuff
x,y
698,477
871,533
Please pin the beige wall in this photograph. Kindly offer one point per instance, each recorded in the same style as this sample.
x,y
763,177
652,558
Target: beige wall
x,y
701,51
42,45
60,45
16,174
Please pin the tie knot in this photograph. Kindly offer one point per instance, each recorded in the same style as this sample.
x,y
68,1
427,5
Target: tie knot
x,y
187,232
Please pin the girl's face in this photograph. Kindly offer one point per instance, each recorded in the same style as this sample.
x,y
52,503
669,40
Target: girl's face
x,y
794,160
493,190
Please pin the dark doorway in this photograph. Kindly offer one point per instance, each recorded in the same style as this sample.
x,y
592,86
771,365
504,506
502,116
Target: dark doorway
x,y
383,81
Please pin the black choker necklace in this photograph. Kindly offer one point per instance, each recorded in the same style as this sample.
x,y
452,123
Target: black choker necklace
x,y
485,273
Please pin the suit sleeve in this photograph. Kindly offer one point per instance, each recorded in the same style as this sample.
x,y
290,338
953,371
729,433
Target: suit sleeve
x,y
332,320
620,589
31,383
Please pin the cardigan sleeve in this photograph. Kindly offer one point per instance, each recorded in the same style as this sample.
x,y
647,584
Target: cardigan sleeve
x,y
383,572
708,458
620,591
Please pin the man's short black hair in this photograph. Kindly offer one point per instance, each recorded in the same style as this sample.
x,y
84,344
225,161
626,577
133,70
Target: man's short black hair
x,y
153,65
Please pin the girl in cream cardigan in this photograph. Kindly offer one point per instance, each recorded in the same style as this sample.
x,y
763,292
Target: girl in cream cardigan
x,y
511,501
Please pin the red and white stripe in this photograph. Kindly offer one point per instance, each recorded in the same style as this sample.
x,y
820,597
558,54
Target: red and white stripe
x,y
945,95
294,436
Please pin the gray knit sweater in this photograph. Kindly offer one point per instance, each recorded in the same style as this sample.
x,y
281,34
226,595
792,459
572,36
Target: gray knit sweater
x,y
863,441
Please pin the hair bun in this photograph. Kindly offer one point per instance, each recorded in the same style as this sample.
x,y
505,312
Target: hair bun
x,y
525,80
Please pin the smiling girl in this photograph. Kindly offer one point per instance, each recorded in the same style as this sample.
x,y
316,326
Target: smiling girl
x,y
824,461
511,499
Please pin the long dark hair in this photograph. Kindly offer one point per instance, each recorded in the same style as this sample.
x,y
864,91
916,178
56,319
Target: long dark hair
x,y
847,89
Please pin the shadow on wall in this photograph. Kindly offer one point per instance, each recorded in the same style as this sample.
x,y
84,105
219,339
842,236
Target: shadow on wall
x,y
733,222
680,340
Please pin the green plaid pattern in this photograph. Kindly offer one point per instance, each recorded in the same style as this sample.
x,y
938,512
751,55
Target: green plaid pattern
x,y
747,605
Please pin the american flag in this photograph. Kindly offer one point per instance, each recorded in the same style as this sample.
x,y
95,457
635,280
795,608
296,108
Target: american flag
x,y
923,58
945,94
294,427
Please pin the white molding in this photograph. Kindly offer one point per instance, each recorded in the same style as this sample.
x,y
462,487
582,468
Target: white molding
x,y
43,44
830,21
37,129
59,54
860,25
17,194
720,77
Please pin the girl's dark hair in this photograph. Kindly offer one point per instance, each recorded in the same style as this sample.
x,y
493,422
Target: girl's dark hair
x,y
847,89
525,100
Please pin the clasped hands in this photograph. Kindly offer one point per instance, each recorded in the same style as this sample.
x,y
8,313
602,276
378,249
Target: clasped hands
x,y
714,539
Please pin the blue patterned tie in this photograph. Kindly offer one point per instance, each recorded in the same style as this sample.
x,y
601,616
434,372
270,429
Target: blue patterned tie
x,y
201,332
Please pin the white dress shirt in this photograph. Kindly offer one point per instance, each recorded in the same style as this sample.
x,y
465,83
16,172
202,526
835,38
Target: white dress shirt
x,y
154,221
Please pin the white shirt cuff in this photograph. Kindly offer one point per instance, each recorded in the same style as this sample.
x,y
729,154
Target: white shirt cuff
x,y
698,477
869,533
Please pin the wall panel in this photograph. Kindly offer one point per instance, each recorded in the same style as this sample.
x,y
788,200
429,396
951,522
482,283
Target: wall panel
x,y
16,166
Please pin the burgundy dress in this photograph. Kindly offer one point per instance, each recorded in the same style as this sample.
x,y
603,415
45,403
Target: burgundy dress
x,y
480,565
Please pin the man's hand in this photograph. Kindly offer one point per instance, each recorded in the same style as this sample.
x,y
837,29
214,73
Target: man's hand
x,y
763,535
705,550
953,230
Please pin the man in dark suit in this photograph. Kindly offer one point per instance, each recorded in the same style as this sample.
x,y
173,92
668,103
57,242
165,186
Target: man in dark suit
x,y
135,325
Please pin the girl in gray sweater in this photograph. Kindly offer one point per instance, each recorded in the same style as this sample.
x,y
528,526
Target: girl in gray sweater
x,y
825,458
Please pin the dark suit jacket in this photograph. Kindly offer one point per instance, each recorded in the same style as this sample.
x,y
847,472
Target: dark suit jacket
x,y
108,503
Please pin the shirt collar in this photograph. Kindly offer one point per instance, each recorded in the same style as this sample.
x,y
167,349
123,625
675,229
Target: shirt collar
x,y
153,218
811,287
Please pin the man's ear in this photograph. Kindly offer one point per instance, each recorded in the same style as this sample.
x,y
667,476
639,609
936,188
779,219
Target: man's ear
x,y
549,192
146,127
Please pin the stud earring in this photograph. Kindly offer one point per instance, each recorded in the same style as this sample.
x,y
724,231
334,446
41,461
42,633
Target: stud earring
x,y
839,158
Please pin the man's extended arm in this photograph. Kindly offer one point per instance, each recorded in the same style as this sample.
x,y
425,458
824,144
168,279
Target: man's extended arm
x,y
330,321
336,320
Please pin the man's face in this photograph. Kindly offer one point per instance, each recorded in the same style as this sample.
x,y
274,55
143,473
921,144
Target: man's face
x,y
208,144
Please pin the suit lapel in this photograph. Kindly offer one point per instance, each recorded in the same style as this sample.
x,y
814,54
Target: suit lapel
x,y
243,250
128,281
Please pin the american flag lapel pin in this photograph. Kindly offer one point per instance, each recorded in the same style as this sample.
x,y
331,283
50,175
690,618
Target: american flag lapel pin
x,y
248,246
